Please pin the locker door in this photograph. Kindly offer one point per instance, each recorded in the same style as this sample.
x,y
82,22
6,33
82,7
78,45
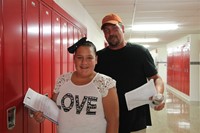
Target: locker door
x,y
32,58
56,46
188,72
179,58
46,59
169,69
64,40
1,69
56,71
187,69
75,40
12,67
76,35
48,1
70,63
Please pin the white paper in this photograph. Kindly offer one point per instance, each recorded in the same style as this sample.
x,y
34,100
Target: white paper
x,y
39,102
140,96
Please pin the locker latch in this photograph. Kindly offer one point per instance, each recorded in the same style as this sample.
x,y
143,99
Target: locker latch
x,y
11,115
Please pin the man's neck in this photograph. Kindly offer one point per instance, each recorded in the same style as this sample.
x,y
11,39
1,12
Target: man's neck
x,y
118,46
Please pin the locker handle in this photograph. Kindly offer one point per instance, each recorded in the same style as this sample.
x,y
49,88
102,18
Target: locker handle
x,y
11,117
30,112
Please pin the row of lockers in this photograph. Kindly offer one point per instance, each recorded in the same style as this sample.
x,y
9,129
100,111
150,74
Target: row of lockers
x,y
178,68
34,36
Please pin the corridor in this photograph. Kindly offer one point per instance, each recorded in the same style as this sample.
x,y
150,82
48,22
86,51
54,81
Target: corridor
x,y
178,116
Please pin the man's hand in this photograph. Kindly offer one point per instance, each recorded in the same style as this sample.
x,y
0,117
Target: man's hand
x,y
158,102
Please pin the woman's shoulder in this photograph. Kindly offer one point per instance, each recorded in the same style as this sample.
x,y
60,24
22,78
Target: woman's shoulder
x,y
61,80
103,77
104,83
64,76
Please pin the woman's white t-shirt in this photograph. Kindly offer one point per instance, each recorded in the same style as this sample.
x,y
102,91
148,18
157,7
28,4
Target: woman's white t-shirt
x,y
81,108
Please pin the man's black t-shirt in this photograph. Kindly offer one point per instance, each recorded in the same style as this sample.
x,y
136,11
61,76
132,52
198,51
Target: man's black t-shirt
x,y
130,66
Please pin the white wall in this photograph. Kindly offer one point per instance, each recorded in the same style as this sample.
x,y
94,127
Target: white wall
x,y
194,67
77,11
162,63
160,58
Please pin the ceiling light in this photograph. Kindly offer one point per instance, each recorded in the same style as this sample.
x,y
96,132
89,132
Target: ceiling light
x,y
143,40
145,45
154,27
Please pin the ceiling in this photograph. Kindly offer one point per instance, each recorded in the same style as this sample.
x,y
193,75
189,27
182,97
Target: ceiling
x,y
186,13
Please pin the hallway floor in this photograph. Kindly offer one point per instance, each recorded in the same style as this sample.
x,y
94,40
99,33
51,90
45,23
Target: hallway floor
x,y
178,116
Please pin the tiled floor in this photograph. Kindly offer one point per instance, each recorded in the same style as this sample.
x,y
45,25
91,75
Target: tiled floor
x,y
178,116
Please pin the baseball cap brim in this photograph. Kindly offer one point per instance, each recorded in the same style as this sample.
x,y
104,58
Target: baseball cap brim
x,y
111,19
109,22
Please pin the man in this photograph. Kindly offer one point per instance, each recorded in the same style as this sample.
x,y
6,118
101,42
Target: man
x,y
130,65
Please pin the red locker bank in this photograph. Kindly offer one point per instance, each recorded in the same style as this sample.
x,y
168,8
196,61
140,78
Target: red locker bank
x,y
34,37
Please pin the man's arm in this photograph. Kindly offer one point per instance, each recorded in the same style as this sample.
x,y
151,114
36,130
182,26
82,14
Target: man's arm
x,y
159,84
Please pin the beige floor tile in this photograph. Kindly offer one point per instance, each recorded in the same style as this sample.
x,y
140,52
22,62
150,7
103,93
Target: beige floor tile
x,y
178,116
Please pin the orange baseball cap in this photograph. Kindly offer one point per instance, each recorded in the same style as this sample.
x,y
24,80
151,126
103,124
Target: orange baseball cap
x,y
111,19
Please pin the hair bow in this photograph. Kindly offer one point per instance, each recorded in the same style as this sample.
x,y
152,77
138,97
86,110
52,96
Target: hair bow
x,y
73,48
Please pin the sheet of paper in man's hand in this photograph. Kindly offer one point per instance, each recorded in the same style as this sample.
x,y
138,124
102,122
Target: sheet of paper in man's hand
x,y
140,96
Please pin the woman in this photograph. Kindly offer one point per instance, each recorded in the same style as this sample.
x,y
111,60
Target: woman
x,y
87,100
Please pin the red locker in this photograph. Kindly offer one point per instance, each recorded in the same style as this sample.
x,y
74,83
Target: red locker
x,y
186,66
75,39
178,71
32,58
33,52
46,58
178,62
1,69
76,35
182,69
12,67
80,34
56,71
63,45
49,2
70,64
169,68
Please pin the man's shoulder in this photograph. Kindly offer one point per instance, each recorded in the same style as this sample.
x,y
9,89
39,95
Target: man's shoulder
x,y
135,47
101,51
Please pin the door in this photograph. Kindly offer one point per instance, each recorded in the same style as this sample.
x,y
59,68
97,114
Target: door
x,y
64,40
1,68
46,59
11,63
56,70
32,76
70,34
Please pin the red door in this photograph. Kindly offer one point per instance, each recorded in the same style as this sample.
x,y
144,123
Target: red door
x,y
187,69
1,69
32,76
56,71
46,59
63,43
11,59
70,63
